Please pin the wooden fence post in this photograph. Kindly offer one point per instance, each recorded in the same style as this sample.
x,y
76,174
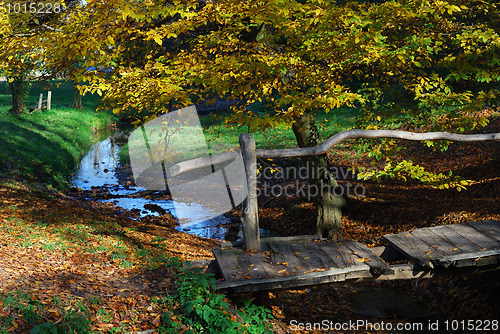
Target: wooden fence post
x,y
40,101
49,99
250,214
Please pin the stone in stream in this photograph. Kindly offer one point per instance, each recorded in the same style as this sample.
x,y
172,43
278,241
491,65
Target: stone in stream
x,y
155,208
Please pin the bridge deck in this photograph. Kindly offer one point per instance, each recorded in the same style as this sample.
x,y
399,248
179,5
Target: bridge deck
x,y
296,262
457,245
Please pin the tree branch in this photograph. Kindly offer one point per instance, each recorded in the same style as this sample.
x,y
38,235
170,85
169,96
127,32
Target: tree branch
x,y
329,143
51,28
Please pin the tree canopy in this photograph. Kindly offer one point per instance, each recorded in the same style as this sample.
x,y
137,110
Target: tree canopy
x,y
430,63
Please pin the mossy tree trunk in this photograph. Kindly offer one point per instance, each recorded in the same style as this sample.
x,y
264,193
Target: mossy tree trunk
x,y
18,88
77,98
322,184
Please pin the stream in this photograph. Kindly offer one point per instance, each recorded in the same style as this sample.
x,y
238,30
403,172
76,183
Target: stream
x,y
101,170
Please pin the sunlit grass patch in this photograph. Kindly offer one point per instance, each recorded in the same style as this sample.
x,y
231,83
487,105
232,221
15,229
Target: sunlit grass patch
x,y
45,146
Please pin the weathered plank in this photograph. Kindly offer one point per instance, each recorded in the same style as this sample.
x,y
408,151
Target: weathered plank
x,y
307,255
296,281
489,227
413,248
255,264
293,264
291,238
439,244
376,264
340,255
462,244
277,258
324,259
404,271
228,262
482,240
480,258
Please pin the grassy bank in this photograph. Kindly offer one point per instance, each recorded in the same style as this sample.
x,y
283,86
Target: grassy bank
x,y
46,146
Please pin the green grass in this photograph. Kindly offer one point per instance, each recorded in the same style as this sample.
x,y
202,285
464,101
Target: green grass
x,y
280,136
224,138
46,146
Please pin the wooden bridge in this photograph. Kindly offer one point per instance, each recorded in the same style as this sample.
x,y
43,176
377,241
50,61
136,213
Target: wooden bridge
x,y
285,263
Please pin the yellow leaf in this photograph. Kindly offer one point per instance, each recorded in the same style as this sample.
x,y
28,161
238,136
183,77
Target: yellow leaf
x,y
158,39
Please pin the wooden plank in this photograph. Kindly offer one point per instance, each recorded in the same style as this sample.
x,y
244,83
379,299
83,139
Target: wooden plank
x,y
276,257
376,264
480,258
309,256
305,279
228,262
404,271
291,238
482,240
339,254
462,244
325,260
292,262
488,227
439,245
412,247
254,265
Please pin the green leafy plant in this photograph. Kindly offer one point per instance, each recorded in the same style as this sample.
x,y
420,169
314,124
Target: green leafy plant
x,y
202,310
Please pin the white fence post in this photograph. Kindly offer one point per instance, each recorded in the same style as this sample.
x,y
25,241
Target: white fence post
x,y
49,99
40,101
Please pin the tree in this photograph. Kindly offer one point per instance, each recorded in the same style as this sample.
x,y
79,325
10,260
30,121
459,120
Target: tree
x,y
25,36
19,58
432,63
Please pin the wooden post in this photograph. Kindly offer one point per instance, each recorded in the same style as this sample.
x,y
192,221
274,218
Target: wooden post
x,y
40,100
250,214
49,100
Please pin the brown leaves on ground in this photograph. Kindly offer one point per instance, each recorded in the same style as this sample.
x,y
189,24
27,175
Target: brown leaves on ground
x,y
58,248
393,206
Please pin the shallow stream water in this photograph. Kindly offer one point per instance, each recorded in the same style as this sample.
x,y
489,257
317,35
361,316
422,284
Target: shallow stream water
x,y
98,170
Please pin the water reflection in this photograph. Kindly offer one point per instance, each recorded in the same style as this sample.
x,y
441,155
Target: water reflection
x,y
98,170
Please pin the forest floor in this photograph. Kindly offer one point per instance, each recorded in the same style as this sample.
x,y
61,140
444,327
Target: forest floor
x,y
65,253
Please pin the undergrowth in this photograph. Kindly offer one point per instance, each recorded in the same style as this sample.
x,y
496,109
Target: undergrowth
x,y
195,307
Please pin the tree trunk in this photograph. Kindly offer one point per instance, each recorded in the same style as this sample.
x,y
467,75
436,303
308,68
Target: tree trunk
x,y
322,184
77,98
18,89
